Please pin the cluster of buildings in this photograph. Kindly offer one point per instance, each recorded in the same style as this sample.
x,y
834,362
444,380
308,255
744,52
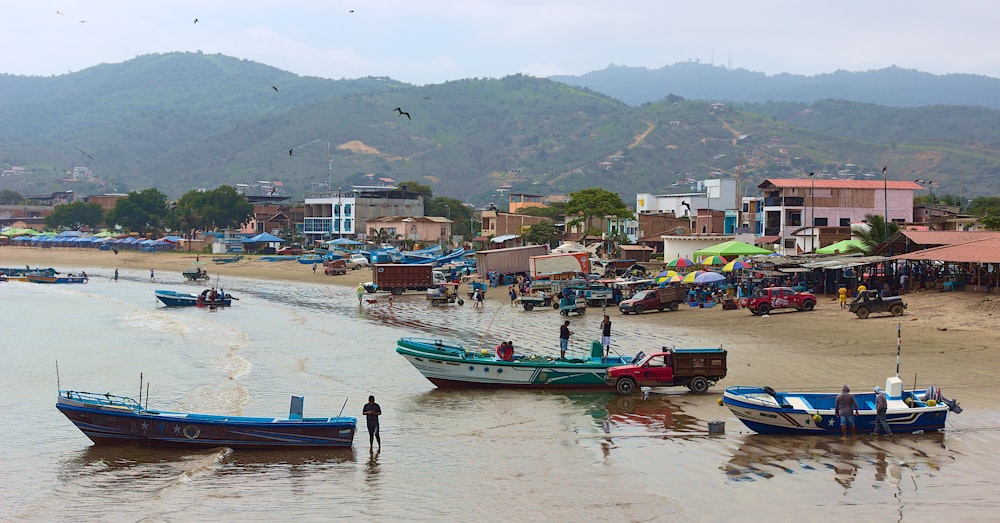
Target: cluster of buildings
x,y
788,216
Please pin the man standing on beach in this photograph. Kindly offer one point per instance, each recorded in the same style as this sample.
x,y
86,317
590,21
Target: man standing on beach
x,y
361,292
847,408
606,336
116,275
564,334
150,274
373,411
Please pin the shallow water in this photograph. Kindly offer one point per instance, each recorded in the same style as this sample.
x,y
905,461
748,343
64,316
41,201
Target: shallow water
x,y
447,455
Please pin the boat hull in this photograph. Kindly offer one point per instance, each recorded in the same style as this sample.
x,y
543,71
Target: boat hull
x,y
121,425
179,299
451,366
794,413
56,279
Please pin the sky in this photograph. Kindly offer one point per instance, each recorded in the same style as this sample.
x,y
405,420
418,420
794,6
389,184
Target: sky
x,y
431,41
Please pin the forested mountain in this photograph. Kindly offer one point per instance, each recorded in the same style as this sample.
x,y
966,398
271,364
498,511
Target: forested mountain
x,y
185,120
892,86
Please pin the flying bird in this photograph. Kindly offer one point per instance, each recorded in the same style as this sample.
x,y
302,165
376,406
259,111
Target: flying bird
x,y
84,153
275,88
83,21
290,151
402,112
58,12
196,20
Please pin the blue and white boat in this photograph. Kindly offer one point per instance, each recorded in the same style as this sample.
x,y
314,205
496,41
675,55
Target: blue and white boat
x,y
766,411
118,420
183,299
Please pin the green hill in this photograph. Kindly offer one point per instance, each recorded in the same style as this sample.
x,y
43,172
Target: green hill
x,y
181,121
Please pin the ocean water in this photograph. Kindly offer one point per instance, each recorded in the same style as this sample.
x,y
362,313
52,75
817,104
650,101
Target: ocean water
x,y
446,455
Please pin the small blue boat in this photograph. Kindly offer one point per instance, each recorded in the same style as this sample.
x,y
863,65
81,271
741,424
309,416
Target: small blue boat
x,y
118,420
310,259
766,411
39,278
183,299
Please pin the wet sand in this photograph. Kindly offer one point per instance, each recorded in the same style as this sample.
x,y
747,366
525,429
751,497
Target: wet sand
x,y
947,339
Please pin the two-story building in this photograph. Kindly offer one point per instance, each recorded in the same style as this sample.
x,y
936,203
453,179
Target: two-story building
x,y
795,209
344,214
417,229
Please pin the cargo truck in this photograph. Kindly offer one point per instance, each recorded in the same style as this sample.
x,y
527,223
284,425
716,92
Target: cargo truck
x,y
544,266
400,277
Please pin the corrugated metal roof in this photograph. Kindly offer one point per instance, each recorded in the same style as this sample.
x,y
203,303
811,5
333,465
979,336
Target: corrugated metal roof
x,y
947,237
839,184
986,250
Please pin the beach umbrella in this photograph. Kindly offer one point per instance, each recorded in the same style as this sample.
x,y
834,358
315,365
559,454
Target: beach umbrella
x,y
713,260
689,277
708,277
676,278
663,276
680,263
735,265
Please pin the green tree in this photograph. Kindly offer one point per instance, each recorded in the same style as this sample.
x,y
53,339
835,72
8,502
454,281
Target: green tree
x,y
544,233
141,212
985,206
877,232
447,207
220,208
553,211
75,215
422,190
595,202
991,222
8,197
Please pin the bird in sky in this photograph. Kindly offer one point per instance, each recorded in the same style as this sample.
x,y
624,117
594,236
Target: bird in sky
x,y
275,88
83,21
290,151
196,20
58,12
84,153
402,113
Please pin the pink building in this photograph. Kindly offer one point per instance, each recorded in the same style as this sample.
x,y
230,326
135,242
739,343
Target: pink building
x,y
420,229
795,208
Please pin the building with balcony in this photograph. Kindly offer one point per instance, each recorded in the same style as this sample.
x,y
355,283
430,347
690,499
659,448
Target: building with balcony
x,y
795,209
343,215
416,229
520,201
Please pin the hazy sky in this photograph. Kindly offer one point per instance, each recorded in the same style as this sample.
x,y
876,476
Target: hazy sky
x,y
432,41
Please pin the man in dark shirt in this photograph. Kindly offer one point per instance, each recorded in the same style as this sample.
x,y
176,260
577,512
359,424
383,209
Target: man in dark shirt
x,y
846,407
373,411
564,334
881,407
606,336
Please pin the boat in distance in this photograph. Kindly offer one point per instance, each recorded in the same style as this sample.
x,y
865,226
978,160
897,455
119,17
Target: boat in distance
x,y
183,299
766,411
452,366
119,420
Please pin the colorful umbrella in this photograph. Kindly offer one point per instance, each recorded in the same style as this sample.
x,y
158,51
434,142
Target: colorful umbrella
x,y
689,277
735,265
676,278
680,263
713,260
664,276
708,277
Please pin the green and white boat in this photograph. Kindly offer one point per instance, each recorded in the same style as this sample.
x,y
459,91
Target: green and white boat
x,y
453,366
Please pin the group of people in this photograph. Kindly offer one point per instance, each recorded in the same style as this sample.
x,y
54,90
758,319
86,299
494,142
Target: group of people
x,y
505,351
846,407
565,333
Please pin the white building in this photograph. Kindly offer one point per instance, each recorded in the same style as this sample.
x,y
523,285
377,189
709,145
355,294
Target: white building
x,y
717,194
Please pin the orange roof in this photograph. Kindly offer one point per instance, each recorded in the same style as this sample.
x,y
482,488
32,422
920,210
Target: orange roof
x,y
986,250
782,183
947,237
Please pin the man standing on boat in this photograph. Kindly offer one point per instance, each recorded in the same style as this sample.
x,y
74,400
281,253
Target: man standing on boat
x,y
564,334
881,406
847,408
373,411
606,335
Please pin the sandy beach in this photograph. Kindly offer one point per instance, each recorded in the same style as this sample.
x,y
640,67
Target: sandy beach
x,y
947,339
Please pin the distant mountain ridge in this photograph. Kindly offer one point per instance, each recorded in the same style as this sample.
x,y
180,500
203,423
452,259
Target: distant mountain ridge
x,y
182,121
891,86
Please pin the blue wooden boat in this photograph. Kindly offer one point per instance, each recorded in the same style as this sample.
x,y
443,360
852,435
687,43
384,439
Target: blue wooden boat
x,y
227,259
118,420
766,411
183,299
452,366
310,259
40,278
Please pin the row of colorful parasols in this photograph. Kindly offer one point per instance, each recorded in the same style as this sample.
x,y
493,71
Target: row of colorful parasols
x,y
710,261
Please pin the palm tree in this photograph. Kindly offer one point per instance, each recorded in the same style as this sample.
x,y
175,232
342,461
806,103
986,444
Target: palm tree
x,y
876,233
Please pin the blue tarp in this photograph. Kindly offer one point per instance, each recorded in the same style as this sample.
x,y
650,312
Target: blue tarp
x,y
263,237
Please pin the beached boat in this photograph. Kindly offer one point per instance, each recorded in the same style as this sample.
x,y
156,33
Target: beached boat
x,y
39,278
227,259
766,411
118,420
452,366
310,259
183,299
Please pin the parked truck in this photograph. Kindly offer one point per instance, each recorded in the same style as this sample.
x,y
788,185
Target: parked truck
x,y
772,298
660,298
696,369
507,261
870,301
545,266
400,277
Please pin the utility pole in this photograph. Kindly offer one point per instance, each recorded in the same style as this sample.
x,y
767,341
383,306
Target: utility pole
x,y
812,224
885,196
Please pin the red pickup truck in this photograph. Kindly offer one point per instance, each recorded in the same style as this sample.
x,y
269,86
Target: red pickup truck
x,y
773,298
697,369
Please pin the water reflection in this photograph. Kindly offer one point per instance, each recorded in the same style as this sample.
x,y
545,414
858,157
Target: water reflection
x,y
763,456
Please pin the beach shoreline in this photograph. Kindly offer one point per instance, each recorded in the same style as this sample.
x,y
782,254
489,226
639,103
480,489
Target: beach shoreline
x,y
948,338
